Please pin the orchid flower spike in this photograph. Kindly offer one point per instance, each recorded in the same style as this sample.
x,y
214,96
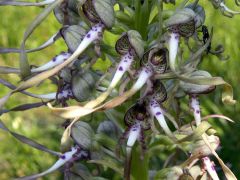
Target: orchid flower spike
x,y
59,59
129,45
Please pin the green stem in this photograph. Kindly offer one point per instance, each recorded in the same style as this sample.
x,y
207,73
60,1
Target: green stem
x,y
160,18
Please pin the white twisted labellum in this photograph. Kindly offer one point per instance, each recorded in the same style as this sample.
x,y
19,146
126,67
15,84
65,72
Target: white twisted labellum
x,y
225,8
194,105
94,34
67,156
47,43
173,49
134,134
65,94
209,166
59,59
19,3
144,75
157,111
124,65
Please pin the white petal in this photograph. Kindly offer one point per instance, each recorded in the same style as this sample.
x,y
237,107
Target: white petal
x,y
210,168
133,135
173,49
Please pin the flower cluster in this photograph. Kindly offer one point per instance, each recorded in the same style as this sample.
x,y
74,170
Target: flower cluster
x,y
149,72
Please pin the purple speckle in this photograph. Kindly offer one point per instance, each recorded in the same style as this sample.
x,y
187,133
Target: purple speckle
x,y
63,157
134,129
197,111
99,34
125,61
176,36
88,35
54,59
120,68
158,113
213,167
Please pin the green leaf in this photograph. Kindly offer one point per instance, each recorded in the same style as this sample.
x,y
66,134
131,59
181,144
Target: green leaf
x,y
105,141
139,165
108,163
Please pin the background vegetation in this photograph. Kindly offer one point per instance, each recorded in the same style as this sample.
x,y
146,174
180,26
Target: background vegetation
x,y
17,159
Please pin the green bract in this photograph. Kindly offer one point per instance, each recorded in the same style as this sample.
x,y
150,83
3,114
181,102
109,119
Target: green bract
x,y
73,36
72,13
82,134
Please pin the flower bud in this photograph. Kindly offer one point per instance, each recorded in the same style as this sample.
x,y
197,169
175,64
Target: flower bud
x,y
190,88
83,85
109,128
201,149
82,134
72,13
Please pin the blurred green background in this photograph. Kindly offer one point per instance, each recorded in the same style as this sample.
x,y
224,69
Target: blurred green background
x,y
39,124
